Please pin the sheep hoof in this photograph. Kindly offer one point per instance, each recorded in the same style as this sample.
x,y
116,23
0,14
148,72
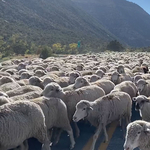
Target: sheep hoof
x,y
72,146
55,142
105,141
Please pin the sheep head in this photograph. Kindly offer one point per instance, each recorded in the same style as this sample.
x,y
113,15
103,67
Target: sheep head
x,y
135,131
52,90
83,108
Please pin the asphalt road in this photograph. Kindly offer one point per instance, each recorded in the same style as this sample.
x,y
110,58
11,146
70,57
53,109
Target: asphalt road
x,y
115,134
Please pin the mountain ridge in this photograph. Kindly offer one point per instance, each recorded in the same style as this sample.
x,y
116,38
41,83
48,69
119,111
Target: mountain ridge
x,y
60,21
127,20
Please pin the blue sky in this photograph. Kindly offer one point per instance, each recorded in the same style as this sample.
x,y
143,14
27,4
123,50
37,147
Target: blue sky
x,y
145,4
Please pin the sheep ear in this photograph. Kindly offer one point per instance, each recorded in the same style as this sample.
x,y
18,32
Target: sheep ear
x,y
134,99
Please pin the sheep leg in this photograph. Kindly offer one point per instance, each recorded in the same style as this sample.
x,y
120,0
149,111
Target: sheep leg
x,y
42,137
105,133
77,130
96,135
57,136
24,145
70,132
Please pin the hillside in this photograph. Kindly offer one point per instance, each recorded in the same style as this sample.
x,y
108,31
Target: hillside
x,y
49,21
126,20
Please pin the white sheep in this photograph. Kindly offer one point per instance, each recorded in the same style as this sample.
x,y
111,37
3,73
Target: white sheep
x,y
55,112
73,76
23,89
9,86
106,85
111,107
26,96
126,71
36,81
136,78
94,78
39,73
137,135
4,100
143,87
117,78
100,73
128,87
25,75
71,98
27,120
6,79
142,104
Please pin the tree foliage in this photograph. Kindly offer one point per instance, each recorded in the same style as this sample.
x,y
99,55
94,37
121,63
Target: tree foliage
x,y
115,46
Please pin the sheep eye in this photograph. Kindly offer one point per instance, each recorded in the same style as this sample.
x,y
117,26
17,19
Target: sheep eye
x,y
83,108
139,132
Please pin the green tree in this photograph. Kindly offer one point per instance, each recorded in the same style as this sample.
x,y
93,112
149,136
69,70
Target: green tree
x,y
45,52
115,46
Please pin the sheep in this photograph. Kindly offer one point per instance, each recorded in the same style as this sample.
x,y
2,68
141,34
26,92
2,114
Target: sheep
x,y
53,118
25,75
23,89
26,117
3,94
142,69
142,104
23,82
11,71
102,111
137,135
62,81
128,87
100,73
39,73
106,85
122,70
4,100
6,79
143,87
36,81
117,78
4,74
9,86
73,76
21,66
71,98
69,88
94,78
80,67
146,76
47,80
26,96
136,78
23,146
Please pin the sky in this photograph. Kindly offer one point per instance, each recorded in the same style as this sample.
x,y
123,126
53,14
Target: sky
x,y
145,4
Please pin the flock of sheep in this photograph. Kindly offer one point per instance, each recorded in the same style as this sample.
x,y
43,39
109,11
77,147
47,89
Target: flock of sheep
x,y
40,98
